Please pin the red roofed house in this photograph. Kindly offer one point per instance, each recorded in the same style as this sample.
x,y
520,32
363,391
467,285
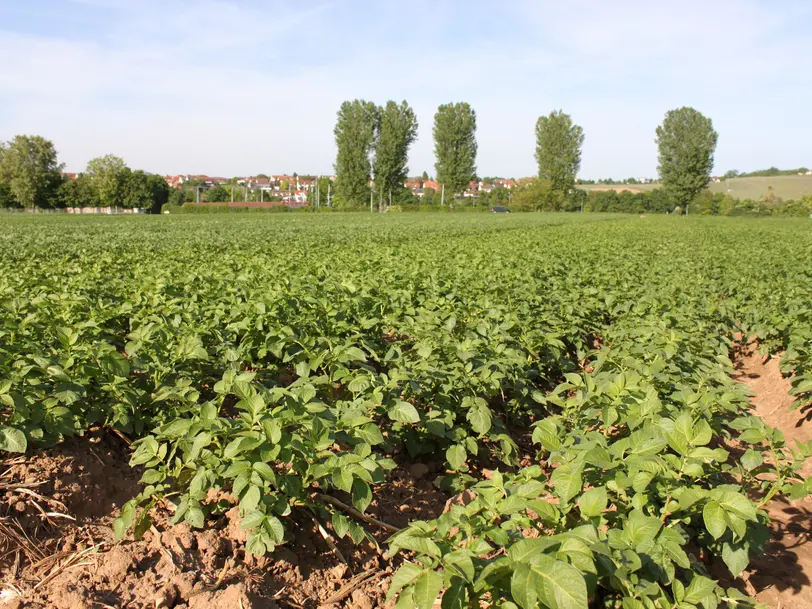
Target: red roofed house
x,y
174,181
473,189
256,183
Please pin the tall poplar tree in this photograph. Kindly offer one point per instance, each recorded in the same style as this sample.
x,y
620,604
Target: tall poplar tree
x,y
355,138
397,129
686,142
455,146
558,150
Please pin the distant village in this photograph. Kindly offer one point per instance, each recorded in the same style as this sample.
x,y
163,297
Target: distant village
x,y
294,188
286,188
419,186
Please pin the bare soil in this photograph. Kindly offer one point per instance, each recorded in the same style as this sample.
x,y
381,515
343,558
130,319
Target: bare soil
x,y
57,548
782,576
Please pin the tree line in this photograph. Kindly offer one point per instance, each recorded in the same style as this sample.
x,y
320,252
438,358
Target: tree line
x,y
373,150
372,165
31,177
765,173
373,146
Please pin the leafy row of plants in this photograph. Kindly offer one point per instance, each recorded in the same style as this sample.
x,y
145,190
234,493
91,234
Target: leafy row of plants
x,y
277,362
636,498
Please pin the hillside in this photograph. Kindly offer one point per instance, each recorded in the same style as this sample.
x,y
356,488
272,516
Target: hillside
x,y
785,187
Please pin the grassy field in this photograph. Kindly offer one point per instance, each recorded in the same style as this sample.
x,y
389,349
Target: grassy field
x,y
553,390
785,187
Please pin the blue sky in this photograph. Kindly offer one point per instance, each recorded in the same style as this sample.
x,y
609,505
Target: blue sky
x,y
234,87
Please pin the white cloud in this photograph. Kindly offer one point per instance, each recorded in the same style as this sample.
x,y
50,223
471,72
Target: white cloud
x,y
227,87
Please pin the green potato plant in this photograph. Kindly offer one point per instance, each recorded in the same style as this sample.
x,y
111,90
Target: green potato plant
x,y
571,376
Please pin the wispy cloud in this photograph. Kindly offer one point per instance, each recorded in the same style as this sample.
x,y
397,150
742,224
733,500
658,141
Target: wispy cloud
x,y
227,86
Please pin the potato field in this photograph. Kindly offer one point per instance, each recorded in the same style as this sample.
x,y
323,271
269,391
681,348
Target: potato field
x,y
562,387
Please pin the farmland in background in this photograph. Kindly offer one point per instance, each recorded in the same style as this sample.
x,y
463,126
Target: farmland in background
x,y
621,187
784,187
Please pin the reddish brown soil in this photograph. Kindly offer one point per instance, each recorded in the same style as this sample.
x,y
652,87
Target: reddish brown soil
x,y
57,549
75,564
782,577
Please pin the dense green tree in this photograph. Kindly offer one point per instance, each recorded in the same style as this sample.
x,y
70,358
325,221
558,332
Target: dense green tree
x,y
326,191
404,196
425,176
686,142
654,201
538,195
355,139
558,150
6,198
144,190
496,196
179,196
397,129
733,173
160,191
455,146
626,202
135,190
77,193
323,188
109,175
30,169
575,200
218,194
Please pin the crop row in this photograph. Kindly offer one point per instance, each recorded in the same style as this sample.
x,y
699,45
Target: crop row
x,y
285,361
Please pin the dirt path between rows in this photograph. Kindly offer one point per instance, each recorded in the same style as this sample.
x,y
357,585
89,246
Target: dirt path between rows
x,y
782,577
57,549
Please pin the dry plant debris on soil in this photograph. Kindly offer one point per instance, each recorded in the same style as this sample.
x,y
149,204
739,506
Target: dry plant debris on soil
x,y
355,411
